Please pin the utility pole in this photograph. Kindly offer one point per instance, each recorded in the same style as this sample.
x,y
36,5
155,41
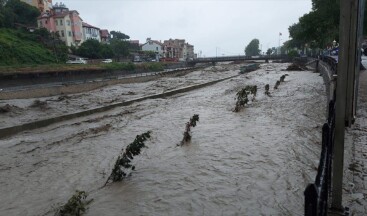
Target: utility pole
x,y
351,15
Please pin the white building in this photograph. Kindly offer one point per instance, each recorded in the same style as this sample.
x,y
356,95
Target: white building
x,y
154,46
91,32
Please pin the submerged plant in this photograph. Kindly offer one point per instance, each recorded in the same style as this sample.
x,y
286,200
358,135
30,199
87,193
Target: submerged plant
x,y
267,88
242,96
123,160
277,84
75,206
282,78
192,123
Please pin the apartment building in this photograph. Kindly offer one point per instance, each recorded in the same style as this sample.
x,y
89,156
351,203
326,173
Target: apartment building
x,y
91,32
178,49
67,24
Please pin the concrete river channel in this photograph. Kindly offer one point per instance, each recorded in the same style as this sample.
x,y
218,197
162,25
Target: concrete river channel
x,y
253,162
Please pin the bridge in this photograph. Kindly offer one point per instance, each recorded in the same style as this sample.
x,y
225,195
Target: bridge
x,y
237,58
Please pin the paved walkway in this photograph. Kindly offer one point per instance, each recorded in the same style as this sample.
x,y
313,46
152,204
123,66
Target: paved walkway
x,y
355,186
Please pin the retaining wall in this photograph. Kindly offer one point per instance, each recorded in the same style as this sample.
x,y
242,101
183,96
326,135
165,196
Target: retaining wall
x,y
8,131
83,87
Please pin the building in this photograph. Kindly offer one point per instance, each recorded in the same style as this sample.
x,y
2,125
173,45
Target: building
x,y
67,24
91,32
42,5
190,51
105,36
154,46
178,49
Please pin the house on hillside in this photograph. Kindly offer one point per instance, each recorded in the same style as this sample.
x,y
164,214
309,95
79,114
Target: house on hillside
x,y
154,46
91,32
42,5
67,24
105,36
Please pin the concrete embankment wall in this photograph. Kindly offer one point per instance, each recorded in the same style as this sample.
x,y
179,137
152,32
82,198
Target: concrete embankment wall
x,y
83,87
327,74
5,132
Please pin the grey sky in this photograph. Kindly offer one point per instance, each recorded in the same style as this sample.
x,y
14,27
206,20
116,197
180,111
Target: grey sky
x,y
212,26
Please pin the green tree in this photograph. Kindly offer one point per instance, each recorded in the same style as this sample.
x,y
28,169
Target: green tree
x,y
119,36
269,52
90,48
252,49
106,51
120,48
16,11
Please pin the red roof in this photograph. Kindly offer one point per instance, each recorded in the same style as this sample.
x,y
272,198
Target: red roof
x,y
89,26
104,33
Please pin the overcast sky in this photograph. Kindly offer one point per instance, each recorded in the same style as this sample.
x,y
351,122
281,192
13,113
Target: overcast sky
x,y
222,27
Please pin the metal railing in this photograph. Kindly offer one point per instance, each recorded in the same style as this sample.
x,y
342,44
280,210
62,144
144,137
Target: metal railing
x,y
317,194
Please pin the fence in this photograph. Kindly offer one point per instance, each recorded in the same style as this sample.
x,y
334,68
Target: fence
x,y
317,194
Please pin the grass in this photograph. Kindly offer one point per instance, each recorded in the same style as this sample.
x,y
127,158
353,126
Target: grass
x,y
17,48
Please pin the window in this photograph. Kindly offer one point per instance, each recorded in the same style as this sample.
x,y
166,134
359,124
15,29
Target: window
x,y
61,22
40,23
46,22
62,33
157,48
68,22
56,23
69,33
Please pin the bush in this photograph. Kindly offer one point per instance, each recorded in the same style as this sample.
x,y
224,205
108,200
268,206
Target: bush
x,y
122,165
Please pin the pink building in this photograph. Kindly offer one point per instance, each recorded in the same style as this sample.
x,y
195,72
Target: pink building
x,y
67,24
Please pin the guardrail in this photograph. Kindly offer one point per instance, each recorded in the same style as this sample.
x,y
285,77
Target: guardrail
x,y
318,193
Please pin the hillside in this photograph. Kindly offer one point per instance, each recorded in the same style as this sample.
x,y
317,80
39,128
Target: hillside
x,y
20,48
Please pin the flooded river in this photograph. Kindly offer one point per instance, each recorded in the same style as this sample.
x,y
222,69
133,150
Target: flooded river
x,y
254,162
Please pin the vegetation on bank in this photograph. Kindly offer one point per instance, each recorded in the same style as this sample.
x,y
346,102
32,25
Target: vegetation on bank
x,y
19,47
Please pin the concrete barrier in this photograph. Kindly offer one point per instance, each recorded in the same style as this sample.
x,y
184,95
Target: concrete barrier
x,y
5,132
84,87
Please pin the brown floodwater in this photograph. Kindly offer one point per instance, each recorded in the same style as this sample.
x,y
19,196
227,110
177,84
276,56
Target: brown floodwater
x,y
253,162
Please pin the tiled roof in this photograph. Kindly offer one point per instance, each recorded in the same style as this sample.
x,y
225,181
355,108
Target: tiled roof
x,y
60,15
104,33
89,26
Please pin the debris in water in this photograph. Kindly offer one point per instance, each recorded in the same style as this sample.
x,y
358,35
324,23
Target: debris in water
x,y
5,109
39,104
296,67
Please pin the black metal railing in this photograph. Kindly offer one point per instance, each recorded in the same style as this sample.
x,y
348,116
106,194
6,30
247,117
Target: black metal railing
x,y
317,194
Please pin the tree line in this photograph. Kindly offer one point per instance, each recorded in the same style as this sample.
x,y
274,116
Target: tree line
x,y
320,27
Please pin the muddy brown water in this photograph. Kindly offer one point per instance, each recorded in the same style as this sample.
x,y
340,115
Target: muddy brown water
x,y
254,162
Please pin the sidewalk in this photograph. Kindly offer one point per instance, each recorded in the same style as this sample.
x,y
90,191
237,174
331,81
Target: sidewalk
x,y
355,184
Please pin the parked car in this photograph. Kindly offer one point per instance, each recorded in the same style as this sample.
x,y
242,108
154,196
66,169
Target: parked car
x,y
77,61
107,61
